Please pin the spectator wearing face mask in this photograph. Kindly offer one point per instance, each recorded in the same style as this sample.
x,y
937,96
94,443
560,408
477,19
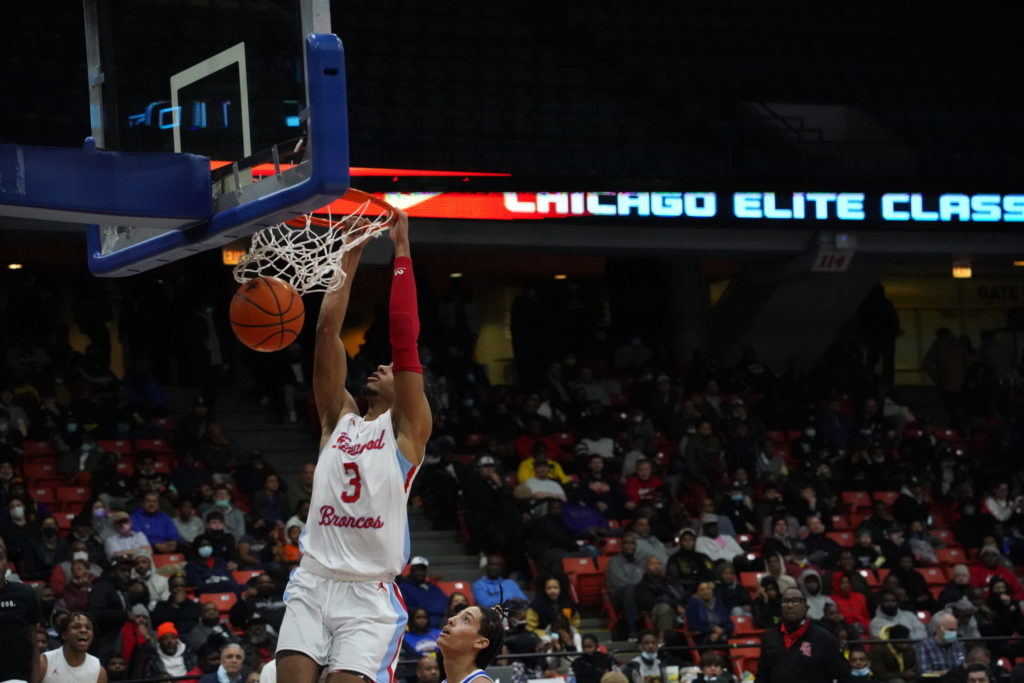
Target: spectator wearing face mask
x,y
125,542
233,518
18,530
222,542
944,650
44,552
647,665
208,573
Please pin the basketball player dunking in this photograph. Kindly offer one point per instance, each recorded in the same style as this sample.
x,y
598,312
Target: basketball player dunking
x,y
344,611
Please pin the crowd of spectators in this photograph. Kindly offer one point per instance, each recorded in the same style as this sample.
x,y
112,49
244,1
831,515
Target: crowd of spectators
x,y
698,491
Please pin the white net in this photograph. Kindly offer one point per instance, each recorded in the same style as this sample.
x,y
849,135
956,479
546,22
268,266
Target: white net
x,y
306,252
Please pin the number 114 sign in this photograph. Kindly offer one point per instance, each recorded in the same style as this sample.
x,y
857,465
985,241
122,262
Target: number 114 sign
x,y
832,261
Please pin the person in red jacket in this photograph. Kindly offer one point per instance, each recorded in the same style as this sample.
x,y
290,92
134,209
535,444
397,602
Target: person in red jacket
x,y
642,484
852,605
991,565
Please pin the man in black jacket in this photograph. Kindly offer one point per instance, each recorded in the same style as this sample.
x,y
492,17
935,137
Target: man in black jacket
x,y
799,649
108,606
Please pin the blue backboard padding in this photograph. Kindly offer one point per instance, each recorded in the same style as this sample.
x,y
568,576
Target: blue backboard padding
x,y
328,179
95,185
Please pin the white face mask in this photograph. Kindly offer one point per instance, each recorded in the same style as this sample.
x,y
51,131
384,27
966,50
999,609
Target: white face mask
x,y
80,555
17,512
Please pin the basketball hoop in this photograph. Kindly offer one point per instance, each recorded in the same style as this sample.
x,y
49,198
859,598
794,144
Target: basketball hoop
x,y
306,251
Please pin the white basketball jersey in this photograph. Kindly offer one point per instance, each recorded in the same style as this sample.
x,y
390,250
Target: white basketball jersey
x,y
357,520
59,671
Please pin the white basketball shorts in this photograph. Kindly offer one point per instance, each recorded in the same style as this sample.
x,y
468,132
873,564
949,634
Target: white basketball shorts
x,y
344,625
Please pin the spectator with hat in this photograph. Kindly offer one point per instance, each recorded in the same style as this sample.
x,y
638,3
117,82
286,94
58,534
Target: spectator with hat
x,y
207,572
155,583
419,591
894,545
223,543
958,585
717,547
541,487
261,595
258,643
156,524
991,565
108,606
170,657
492,514
528,468
124,542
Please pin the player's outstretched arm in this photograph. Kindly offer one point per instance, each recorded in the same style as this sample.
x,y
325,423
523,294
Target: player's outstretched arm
x,y
330,362
411,414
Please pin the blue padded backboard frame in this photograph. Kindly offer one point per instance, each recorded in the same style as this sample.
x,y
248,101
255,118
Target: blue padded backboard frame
x,y
326,178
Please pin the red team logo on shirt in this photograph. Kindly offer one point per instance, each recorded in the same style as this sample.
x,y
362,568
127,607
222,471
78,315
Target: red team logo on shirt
x,y
345,445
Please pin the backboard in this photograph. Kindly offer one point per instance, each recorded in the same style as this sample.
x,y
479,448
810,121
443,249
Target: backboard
x,y
247,84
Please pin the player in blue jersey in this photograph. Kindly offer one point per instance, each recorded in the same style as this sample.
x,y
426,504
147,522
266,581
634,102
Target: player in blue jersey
x,y
470,641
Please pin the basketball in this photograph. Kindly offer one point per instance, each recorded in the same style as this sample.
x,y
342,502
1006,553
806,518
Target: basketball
x,y
267,314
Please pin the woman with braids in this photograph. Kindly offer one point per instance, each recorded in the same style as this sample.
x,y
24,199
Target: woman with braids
x,y
470,641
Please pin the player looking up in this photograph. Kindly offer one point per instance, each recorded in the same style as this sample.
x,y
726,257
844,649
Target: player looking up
x,y
469,642
344,611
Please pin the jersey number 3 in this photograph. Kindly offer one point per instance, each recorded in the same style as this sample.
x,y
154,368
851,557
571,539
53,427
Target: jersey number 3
x,y
354,485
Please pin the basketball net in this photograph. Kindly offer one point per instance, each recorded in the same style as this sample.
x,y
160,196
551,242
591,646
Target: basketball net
x,y
306,251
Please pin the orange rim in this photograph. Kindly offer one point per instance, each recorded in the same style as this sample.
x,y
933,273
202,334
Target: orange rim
x,y
357,197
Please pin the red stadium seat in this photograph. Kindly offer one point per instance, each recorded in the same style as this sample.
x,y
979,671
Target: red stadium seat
x,y
950,556
73,494
888,497
856,500
164,559
602,563
870,577
64,520
944,535
586,578
751,581
564,439
119,447
844,538
40,470
934,576
44,494
155,445
612,546
744,626
224,601
35,449
744,655
840,523
450,587
242,576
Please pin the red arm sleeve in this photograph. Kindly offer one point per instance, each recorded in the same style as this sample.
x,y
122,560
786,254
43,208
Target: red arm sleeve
x,y
405,321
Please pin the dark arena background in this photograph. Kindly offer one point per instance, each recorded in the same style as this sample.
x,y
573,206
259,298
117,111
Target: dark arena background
x,y
746,278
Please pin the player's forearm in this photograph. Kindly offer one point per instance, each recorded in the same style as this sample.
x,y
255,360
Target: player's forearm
x,y
335,303
404,313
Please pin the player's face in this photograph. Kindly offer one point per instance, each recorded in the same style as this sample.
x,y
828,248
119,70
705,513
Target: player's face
x,y
381,383
462,632
79,634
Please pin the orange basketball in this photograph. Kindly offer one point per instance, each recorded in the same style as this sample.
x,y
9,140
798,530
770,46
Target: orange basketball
x,y
267,314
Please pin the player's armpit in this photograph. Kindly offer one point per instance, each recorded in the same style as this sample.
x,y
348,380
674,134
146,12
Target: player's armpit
x,y
413,420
